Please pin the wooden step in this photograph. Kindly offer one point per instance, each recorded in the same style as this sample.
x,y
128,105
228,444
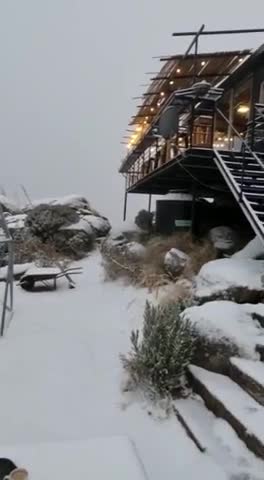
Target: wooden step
x,y
227,400
249,374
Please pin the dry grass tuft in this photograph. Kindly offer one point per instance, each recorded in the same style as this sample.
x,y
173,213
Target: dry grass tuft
x,y
149,271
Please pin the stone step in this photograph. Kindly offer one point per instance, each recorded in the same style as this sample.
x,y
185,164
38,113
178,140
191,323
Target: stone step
x,y
249,374
228,400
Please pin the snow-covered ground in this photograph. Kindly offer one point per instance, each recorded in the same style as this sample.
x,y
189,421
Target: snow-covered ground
x,y
61,376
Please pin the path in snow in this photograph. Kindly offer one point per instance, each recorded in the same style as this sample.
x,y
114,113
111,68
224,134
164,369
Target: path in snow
x,y
60,376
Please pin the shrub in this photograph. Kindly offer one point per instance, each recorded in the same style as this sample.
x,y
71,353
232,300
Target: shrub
x,y
159,359
45,220
144,220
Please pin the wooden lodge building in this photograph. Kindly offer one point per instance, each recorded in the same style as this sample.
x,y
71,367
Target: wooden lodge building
x,y
200,129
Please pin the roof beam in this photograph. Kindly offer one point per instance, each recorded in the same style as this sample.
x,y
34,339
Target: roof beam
x,y
218,32
205,75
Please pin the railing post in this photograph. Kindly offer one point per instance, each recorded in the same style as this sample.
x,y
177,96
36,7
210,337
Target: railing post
x,y
243,172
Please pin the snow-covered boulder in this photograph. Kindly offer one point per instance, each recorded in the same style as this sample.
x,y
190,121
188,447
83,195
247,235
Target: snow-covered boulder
x,y
72,201
135,250
228,327
231,278
254,249
119,245
223,238
100,225
175,260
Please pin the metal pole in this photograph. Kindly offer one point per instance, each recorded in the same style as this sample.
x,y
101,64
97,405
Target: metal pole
x,y
231,118
149,203
125,202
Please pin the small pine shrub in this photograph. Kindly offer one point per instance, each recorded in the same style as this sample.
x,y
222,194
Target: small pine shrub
x,y
159,359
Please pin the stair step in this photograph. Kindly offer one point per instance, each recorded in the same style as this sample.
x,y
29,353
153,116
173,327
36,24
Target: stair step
x,y
227,400
253,189
248,167
258,197
249,374
249,173
251,181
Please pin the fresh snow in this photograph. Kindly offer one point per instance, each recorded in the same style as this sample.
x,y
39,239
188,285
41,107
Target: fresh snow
x,y
251,368
241,405
220,440
224,320
61,376
43,271
219,275
16,222
19,269
75,201
113,458
82,225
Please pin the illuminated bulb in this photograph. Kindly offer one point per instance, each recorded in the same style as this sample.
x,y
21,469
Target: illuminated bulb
x,y
203,63
162,94
172,82
152,109
138,129
146,118
158,104
226,139
178,70
240,60
243,109
145,122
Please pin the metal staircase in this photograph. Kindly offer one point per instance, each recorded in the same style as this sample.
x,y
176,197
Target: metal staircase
x,y
244,175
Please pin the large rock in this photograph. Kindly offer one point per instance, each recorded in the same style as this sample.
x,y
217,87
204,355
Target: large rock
x,y
240,280
100,225
118,245
223,238
73,201
225,329
175,260
254,249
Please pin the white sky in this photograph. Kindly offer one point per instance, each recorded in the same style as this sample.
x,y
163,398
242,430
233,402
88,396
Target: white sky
x,y
69,69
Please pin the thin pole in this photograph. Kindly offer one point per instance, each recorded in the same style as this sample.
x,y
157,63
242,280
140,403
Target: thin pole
x,y
149,203
231,118
125,202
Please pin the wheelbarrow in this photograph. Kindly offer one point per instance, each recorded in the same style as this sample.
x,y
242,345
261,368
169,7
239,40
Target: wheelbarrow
x,y
43,275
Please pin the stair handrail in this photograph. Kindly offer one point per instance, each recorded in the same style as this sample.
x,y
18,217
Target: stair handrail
x,y
244,142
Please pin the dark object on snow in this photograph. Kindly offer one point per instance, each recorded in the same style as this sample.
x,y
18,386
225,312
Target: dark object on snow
x,y
6,467
28,280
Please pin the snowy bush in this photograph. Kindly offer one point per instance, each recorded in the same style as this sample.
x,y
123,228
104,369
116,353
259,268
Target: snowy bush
x,y
158,360
45,220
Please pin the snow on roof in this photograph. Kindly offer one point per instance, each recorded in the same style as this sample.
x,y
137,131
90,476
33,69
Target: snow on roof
x,y
107,458
251,368
224,320
219,275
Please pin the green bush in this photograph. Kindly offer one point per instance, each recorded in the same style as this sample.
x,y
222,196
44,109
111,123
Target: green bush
x,y
158,360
